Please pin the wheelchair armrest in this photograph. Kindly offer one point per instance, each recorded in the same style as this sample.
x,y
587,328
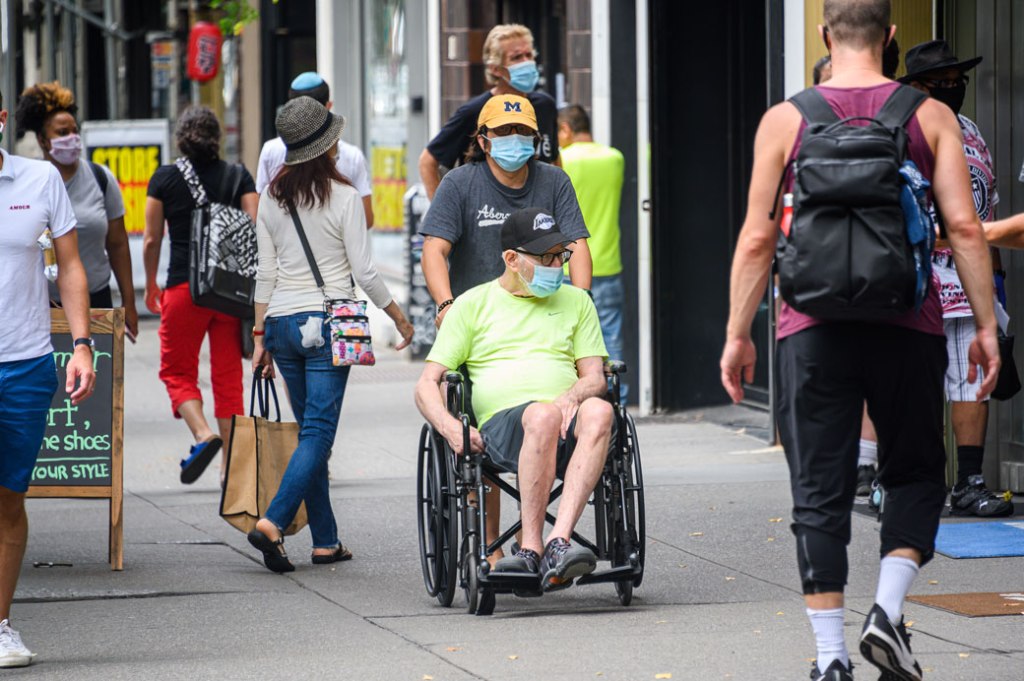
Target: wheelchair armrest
x,y
453,378
614,366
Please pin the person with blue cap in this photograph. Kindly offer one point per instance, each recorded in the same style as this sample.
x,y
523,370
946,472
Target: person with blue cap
x,y
350,161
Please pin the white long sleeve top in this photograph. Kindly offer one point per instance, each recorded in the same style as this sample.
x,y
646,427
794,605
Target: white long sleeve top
x,y
338,237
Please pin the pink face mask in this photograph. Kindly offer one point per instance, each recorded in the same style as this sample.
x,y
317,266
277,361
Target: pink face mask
x,y
66,150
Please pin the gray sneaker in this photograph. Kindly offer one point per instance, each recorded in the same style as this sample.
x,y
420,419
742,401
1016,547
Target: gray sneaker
x,y
563,563
13,652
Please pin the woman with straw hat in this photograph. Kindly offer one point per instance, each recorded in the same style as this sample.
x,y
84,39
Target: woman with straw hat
x,y
309,195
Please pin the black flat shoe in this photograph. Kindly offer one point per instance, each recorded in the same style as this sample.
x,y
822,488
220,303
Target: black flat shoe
x,y
340,554
274,555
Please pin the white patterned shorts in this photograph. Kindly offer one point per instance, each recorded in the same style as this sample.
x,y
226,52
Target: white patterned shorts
x,y
960,332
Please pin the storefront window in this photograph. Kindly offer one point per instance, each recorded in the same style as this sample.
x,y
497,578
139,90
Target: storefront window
x,y
387,115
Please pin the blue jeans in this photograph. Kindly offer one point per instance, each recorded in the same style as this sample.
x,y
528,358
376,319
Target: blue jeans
x,y
609,296
316,388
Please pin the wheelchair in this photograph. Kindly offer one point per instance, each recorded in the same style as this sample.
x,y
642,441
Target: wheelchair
x,y
453,553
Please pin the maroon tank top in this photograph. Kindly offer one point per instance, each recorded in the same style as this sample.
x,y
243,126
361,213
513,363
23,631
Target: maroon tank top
x,y
866,101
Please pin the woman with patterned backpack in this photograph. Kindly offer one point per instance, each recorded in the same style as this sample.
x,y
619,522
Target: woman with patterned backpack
x,y
183,324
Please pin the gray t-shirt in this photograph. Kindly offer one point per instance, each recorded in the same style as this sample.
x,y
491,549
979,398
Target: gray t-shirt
x,y
93,210
471,205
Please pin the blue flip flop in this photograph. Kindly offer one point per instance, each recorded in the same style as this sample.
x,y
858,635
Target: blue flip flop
x,y
199,457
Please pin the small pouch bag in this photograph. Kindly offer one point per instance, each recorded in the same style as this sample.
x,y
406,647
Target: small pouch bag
x,y
350,332
346,319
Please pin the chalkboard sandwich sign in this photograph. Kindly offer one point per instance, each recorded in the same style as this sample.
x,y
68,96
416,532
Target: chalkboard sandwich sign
x,y
82,451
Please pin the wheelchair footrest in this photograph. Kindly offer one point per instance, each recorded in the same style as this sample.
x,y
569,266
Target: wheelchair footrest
x,y
617,574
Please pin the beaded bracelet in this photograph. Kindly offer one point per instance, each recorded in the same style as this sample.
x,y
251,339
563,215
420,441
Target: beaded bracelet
x,y
444,305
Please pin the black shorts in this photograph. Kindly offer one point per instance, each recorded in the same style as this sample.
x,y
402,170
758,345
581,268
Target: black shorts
x,y
503,440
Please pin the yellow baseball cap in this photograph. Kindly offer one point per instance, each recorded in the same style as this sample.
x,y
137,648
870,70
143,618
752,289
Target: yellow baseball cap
x,y
504,109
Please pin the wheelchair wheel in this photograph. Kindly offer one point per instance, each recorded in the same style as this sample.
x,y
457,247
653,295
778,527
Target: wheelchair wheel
x,y
635,521
437,519
468,562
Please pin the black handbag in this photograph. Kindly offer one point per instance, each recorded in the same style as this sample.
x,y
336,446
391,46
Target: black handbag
x,y
222,252
1008,382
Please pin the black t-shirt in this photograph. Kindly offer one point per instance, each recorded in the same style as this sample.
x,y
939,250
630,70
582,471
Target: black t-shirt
x,y
168,186
452,143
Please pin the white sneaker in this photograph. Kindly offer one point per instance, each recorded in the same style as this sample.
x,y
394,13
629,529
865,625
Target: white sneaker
x,y
13,652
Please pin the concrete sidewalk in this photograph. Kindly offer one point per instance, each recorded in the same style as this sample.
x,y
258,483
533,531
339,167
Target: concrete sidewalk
x,y
720,599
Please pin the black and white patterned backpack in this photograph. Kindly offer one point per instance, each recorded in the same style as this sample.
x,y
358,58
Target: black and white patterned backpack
x,y
222,252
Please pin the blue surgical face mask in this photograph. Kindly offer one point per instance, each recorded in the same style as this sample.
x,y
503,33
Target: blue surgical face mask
x,y
511,152
545,280
523,76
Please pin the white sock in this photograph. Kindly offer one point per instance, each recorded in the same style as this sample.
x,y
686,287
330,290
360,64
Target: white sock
x,y
868,453
828,633
894,579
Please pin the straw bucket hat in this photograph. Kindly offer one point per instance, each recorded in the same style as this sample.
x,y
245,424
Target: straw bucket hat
x,y
307,129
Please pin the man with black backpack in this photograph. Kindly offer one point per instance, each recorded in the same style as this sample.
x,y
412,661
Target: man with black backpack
x,y
861,319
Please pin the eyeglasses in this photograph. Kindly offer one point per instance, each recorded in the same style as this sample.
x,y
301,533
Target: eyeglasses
x,y
548,259
947,83
513,129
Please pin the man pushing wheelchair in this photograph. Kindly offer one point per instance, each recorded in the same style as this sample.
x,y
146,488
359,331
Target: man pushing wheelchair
x,y
535,355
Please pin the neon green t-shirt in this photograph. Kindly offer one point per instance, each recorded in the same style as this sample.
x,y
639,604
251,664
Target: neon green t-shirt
x,y
517,349
596,171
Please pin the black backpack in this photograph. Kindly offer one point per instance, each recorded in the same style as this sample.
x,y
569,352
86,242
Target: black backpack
x,y
847,255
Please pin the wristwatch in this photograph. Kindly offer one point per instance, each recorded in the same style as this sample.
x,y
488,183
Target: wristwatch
x,y
85,341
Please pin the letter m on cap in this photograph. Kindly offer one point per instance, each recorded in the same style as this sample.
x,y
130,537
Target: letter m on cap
x,y
513,106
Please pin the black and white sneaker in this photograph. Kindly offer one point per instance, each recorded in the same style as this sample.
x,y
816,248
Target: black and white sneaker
x,y
835,672
888,647
974,498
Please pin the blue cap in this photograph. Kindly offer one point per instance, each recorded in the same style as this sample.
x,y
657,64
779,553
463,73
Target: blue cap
x,y
307,81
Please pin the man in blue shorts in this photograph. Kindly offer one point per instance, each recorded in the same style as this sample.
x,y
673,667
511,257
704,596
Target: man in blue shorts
x,y
534,351
32,200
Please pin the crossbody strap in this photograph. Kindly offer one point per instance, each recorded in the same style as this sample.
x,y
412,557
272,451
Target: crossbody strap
x,y
192,180
305,247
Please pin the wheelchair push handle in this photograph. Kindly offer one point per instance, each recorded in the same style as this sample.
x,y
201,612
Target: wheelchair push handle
x,y
613,367
453,378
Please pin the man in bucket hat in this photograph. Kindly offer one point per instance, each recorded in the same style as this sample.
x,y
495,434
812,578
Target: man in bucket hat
x,y
933,68
534,350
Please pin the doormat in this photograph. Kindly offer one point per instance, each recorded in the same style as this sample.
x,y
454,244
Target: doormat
x,y
975,604
980,539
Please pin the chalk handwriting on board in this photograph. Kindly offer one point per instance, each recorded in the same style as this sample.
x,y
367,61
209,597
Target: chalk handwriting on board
x,y
76,448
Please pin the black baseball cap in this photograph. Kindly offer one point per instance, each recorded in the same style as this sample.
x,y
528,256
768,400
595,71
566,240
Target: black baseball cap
x,y
532,230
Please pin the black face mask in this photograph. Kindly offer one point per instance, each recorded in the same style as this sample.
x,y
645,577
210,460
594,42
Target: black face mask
x,y
953,97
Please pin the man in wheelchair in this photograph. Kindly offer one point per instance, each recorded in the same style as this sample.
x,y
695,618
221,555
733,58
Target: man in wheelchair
x,y
536,356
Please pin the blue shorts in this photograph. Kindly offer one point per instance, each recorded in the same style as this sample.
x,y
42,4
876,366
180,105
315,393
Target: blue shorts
x,y
27,387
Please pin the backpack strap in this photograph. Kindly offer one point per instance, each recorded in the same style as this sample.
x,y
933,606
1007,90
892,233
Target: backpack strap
x,y
229,183
900,106
814,107
192,180
101,177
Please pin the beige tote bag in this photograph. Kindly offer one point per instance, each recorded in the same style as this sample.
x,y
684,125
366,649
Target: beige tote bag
x,y
258,455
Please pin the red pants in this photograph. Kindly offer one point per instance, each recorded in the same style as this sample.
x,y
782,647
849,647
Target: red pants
x,y
183,326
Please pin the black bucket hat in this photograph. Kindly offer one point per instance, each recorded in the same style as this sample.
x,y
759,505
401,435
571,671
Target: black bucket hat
x,y
934,55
